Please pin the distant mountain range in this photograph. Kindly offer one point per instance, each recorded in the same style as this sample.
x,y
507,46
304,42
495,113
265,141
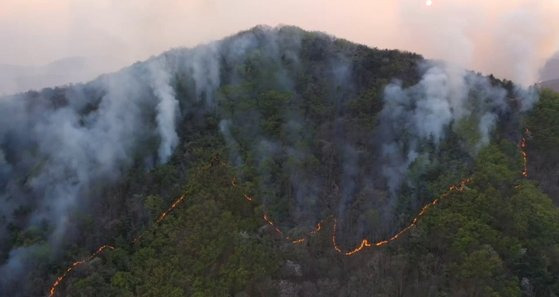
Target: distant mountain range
x,y
292,150
549,76
20,78
551,84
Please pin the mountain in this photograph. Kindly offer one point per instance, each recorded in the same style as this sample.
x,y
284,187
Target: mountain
x,y
550,71
551,84
18,78
280,162
549,75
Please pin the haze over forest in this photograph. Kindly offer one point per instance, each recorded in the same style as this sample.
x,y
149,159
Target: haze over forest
x,y
188,148
107,35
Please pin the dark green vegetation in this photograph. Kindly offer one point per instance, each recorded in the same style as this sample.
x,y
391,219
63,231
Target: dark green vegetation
x,y
296,124
499,237
543,125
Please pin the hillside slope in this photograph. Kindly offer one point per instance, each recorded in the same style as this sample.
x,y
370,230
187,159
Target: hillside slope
x,y
550,70
18,78
551,84
292,153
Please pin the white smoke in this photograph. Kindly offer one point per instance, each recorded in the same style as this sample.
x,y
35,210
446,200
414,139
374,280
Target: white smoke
x,y
167,108
67,142
232,144
433,108
512,39
425,112
486,125
204,66
91,139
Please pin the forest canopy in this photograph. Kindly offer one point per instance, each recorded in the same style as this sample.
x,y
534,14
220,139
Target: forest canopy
x,y
281,162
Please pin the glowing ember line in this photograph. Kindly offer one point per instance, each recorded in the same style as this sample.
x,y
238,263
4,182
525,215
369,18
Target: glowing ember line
x,y
74,265
298,241
137,239
365,243
173,206
267,219
317,229
336,247
102,248
523,146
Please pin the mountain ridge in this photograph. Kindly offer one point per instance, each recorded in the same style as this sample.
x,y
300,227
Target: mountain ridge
x,y
311,127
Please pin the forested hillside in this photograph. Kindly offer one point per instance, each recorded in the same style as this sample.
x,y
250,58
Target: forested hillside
x,y
280,162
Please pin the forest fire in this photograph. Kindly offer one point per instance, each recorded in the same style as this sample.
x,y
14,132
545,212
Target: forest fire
x,y
267,219
173,206
523,147
365,243
317,228
137,239
338,249
76,264
298,241
102,248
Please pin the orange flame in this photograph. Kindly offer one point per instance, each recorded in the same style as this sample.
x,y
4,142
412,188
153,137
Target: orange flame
x,y
336,247
267,219
137,239
76,264
317,228
173,206
298,241
102,248
365,243
523,145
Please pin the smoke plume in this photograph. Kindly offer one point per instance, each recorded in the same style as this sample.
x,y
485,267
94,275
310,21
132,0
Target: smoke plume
x,y
511,39
284,100
166,109
60,146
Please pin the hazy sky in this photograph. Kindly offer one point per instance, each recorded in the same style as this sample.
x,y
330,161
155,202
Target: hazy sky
x,y
511,38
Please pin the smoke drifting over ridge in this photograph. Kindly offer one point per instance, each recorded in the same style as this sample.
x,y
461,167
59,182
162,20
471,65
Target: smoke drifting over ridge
x,y
167,109
444,98
58,148
61,146
511,39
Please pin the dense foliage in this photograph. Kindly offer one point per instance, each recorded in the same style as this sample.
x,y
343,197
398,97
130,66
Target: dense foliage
x,y
300,137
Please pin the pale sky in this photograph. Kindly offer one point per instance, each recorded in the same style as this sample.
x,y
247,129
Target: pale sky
x,y
511,38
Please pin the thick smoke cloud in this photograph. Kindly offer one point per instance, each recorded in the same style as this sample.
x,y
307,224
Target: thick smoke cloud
x,y
60,146
512,39
499,36
167,109
443,100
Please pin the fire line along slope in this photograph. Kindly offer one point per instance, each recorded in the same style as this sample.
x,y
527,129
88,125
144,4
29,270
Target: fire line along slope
x,y
298,152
